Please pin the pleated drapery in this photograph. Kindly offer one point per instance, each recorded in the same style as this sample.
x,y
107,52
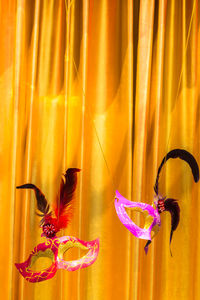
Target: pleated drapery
x,y
108,87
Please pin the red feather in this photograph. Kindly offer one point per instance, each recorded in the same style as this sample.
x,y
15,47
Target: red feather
x,y
63,207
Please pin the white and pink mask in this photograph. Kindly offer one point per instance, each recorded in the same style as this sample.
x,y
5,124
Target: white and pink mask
x,y
54,249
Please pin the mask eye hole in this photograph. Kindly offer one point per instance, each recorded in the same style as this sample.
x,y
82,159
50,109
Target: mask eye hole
x,y
74,253
138,216
41,263
71,251
42,260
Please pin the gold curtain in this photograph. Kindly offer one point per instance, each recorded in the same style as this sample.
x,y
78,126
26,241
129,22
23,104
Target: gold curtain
x,y
110,87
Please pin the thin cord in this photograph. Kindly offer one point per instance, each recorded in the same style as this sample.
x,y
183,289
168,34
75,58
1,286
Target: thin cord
x,y
181,74
178,88
187,40
98,139
90,113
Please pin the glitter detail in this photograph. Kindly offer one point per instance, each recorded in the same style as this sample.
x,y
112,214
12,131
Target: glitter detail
x,y
49,230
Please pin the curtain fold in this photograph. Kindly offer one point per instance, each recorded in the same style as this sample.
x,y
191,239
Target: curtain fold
x,y
108,87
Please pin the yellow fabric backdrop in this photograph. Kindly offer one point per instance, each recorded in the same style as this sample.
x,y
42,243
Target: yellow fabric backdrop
x,y
109,87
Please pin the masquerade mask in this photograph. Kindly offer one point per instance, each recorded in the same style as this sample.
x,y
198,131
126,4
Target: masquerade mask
x,y
151,216
152,212
54,249
52,222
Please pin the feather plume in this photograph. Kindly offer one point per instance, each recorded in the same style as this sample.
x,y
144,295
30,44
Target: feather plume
x,y
184,155
63,208
42,203
172,206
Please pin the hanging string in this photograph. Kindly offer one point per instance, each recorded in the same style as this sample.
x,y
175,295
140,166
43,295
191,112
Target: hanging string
x,y
186,46
95,129
181,73
88,107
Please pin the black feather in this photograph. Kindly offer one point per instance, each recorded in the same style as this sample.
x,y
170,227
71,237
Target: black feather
x,y
42,203
184,155
172,206
147,246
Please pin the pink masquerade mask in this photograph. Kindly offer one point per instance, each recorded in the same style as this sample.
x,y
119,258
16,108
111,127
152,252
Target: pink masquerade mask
x,y
152,212
53,221
151,215
54,249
